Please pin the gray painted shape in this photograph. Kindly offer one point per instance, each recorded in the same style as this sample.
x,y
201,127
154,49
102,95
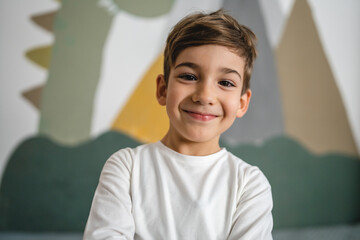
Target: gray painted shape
x,y
274,20
264,118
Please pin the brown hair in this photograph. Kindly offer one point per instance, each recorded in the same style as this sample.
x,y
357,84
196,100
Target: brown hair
x,y
213,28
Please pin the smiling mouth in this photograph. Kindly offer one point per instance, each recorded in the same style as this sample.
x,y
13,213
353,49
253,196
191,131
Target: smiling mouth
x,y
200,116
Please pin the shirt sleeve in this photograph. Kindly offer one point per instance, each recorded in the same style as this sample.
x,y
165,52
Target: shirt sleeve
x,y
111,211
253,218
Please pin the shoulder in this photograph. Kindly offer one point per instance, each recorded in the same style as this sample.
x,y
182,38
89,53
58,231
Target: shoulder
x,y
125,157
252,218
250,177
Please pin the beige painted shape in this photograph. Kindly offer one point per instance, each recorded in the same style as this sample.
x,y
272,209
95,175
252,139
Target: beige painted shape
x,y
34,96
142,117
313,109
45,20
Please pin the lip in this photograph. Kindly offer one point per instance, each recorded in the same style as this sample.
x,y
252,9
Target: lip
x,y
200,116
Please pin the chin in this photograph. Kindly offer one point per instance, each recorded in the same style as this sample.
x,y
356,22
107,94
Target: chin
x,y
199,138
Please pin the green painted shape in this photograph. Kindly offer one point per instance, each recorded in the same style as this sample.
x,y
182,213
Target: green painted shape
x,y
81,28
49,187
145,8
308,189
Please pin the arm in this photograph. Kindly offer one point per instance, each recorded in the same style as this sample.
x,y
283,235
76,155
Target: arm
x,y
110,215
253,218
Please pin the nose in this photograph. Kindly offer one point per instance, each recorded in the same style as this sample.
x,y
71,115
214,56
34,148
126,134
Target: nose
x,y
204,94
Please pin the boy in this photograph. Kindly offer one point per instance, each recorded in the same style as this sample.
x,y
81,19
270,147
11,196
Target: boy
x,y
185,186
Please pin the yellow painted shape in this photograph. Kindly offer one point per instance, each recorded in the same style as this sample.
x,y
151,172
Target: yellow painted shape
x,y
40,56
142,117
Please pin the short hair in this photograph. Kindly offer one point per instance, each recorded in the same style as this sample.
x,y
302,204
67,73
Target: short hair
x,y
216,28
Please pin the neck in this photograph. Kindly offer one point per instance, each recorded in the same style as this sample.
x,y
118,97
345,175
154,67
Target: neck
x,y
187,147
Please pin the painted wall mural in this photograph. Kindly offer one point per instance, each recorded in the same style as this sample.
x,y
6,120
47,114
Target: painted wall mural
x,y
99,66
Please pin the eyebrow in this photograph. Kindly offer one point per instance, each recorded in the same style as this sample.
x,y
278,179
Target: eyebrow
x,y
188,64
196,66
229,70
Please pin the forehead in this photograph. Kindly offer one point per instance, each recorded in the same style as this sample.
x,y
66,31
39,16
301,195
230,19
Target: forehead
x,y
211,57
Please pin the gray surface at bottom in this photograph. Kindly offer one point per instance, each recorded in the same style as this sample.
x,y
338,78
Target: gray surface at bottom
x,y
40,236
337,232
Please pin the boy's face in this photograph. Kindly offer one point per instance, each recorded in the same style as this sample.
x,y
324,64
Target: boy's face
x,y
203,94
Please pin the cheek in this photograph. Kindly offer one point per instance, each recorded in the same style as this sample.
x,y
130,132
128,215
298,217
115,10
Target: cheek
x,y
176,93
231,107
173,99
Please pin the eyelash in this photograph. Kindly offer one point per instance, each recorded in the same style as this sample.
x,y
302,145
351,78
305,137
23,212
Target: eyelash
x,y
188,77
226,83
192,77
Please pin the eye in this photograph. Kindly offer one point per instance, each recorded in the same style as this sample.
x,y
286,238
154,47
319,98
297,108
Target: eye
x,y
226,83
188,77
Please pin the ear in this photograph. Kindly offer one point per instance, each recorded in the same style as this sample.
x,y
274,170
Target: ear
x,y
161,89
244,103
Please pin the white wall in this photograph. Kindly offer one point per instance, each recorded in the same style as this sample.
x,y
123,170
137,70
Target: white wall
x,y
337,22
19,119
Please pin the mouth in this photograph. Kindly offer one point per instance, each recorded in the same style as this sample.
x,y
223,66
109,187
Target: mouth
x,y
200,116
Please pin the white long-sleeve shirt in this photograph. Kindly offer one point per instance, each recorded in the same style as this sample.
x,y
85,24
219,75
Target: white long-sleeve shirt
x,y
152,192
